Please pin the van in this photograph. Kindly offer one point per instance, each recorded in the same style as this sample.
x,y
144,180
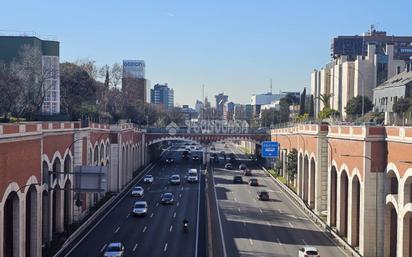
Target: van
x,y
192,176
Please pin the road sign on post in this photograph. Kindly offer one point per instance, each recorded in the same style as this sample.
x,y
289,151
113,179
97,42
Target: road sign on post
x,y
270,149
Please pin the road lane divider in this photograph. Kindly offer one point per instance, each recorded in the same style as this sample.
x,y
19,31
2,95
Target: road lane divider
x,y
135,246
104,247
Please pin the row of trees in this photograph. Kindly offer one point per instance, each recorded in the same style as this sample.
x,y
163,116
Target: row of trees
x,y
86,91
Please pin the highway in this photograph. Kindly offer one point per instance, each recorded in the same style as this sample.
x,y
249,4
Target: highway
x,y
160,233
266,229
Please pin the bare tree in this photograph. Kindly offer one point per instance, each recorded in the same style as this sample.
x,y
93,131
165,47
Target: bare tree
x,y
89,66
34,79
115,74
10,86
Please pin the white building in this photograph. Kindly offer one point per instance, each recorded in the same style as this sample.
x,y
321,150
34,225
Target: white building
x,y
134,69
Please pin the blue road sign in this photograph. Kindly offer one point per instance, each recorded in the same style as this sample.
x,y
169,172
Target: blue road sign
x,y
270,149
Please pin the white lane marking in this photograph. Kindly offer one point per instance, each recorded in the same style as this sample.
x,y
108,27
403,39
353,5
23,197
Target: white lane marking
x,y
148,188
244,223
254,200
260,210
177,204
279,241
304,242
249,192
128,215
180,195
157,204
174,215
267,222
182,188
144,229
171,227
235,199
151,215
135,246
104,247
251,242
280,211
165,248
117,229
238,209
290,224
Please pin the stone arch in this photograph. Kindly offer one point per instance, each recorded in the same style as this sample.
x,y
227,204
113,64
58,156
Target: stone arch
x,y
390,230
300,174
343,202
68,165
57,210
101,152
67,205
312,182
31,217
354,207
107,149
96,154
392,181
56,168
407,230
11,224
406,186
45,172
46,232
333,196
305,178
90,155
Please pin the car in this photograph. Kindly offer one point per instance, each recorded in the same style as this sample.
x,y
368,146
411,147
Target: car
x,y
185,155
169,160
137,191
140,208
195,158
237,180
148,179
212,148
253,182
192,176
228,166
242,166
223,153
167,198
115,249
247,172
308,251
174,179
216,159
263,195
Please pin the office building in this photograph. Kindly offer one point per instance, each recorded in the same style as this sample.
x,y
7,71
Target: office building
x,y
358,73
11,48
162,95
221,100
134,83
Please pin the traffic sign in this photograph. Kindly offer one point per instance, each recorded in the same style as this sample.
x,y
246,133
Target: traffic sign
x,y
270,149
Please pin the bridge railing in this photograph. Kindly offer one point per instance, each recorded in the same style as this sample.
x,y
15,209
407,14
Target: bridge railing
x,y
223,131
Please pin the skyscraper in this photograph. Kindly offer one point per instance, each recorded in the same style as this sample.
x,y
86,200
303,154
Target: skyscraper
x,y
162,95
134,83
221,100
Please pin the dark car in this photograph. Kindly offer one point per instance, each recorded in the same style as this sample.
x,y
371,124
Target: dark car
x,y
253,182
185,155
237,180
242,166
263,195
216,159
167,198
195,158
247,172
212,148
233,160
228,166
169,160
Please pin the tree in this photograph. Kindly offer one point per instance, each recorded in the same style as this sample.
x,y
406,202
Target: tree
x,y
269,117
325,99
11,87
401,105
327,113
354,106
33,77
302,102
77,91
292,164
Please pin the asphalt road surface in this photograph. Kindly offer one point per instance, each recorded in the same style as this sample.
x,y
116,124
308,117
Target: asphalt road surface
x,y
160,233
254,228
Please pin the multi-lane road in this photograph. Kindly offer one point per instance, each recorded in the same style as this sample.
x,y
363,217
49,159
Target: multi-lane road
x,y
235,223
261,228
160,232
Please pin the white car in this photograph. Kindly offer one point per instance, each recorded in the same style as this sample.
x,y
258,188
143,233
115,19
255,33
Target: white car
x,y
137,191
140,208
148,179
192,176
308,251
114,250
175,179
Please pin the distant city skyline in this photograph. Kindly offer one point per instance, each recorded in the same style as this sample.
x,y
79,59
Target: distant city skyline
x,y
231,46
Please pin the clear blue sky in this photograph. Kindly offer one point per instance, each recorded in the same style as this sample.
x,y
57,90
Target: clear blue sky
x,y
232,46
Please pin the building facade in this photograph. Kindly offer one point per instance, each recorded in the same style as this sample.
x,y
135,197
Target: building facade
x,y
162,95
359,64
134,83
12,48
221,100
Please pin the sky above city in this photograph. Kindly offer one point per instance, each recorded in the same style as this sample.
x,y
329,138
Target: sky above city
x,y
232,46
